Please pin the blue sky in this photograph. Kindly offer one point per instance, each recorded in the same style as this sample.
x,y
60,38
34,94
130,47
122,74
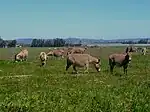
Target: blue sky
x,y
106,19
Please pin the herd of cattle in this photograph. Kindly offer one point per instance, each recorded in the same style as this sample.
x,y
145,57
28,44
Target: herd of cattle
x,y
77,57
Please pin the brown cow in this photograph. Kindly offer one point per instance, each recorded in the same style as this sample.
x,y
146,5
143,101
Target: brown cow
x,y
79,50
119,60
56,53
131,49
82,60
50,53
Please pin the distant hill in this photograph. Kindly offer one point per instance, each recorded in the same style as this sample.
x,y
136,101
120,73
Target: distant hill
x,y
83,41
97,41
24,40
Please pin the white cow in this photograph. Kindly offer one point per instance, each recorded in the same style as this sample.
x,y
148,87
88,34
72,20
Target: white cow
x,y
43,58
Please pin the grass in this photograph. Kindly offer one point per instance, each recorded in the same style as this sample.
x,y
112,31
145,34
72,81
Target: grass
x,y
52,89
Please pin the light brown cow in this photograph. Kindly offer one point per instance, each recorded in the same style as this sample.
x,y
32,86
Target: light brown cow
x,y
50,53
82,60
43,58
56,53
79,50
119,60
144,50
22,55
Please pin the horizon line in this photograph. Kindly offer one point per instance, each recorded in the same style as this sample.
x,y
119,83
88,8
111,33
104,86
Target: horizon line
x,y
77,37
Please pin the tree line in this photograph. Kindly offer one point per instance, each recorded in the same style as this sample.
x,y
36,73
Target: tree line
x,y
141,41
58,42
7,43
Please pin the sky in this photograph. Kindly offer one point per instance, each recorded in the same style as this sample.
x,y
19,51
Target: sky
x,y
102,19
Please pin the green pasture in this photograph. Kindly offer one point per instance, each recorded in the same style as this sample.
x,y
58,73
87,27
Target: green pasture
x,y
27,87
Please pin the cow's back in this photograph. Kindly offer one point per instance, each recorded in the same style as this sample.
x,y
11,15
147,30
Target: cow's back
x,y
79,58
117,57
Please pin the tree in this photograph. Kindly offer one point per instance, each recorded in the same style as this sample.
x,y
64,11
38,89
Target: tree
x,y
12,43
2,43
34,43
48,43
59,42
40,43
143,41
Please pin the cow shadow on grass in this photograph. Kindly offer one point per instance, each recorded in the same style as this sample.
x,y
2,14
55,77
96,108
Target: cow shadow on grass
x,y
68,72
106,71
115,73
81,73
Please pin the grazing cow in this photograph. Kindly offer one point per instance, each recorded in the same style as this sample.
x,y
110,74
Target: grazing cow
x,y
82,60
120,60
50,53
56,53
76,50
22,55
59,53
144,50
139,49
130,49
43,58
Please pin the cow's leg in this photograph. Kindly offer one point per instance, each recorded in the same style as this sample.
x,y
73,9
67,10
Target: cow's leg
x,y
111,68
52,57
86,68
74,68
62,56
125,69
25,58
58,57
43,63
111,64
68,65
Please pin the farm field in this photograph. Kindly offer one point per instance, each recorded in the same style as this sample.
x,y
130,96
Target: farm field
x,y
27,87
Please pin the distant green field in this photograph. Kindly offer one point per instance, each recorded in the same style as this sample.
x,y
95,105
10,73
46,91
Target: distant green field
x,y
52,89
